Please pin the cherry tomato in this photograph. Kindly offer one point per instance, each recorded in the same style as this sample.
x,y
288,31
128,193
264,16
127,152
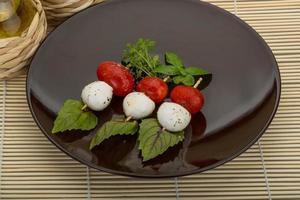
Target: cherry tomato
x,y
190,98
117,76
155,88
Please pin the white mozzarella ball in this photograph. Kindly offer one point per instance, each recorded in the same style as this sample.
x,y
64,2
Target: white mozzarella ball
x,y
137,105
97,95
173,117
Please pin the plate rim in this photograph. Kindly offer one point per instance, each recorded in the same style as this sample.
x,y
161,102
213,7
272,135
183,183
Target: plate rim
x,y
174,174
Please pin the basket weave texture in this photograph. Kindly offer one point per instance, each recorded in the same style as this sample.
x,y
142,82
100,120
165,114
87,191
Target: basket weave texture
x,y
16,52
58,10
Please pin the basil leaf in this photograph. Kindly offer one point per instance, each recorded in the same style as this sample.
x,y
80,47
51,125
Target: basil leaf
x,y
182,71
153,141
117,117
71,117
186,80
167,70
173,59
112,128
195,71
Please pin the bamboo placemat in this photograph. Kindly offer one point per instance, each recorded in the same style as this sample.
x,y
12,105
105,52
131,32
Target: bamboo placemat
x,y
32,168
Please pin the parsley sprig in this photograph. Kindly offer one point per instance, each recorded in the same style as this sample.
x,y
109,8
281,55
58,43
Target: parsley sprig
x,y
138,58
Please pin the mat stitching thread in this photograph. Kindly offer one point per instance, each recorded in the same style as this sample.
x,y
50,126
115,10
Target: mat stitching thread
x,y
260,149
177,188
88,182
2,132
265,171
235,7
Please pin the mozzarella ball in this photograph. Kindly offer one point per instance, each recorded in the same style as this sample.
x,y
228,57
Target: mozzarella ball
x,y
97,95
137,105
173,117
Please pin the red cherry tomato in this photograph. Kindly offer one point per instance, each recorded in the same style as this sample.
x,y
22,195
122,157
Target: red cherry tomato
x,y
189,97
155,88
117,76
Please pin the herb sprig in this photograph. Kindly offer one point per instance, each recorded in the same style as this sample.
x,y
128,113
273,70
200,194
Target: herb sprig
x,y
138,59
179,73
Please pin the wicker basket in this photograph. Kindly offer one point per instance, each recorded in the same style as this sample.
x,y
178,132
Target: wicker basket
x,y
16,52
58,10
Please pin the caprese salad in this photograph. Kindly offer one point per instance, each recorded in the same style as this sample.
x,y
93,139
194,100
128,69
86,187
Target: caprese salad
x,y
144,82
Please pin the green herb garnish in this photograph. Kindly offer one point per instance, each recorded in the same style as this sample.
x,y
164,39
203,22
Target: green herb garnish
x,y
154,141
112,128
73,117
138,59
179,74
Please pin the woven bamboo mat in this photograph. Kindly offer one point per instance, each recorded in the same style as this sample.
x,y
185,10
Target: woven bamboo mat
x,y
32,168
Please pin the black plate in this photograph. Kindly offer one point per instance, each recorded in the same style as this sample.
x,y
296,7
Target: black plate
x,y
240,101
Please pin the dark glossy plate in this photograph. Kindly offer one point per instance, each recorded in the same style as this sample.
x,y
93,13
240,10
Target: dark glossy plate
x,y
240,101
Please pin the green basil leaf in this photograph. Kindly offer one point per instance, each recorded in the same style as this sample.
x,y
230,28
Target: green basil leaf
x,y
178,79
173,59
167,70
186,80
117,117
182,71
112,128
195,71
153,141
71,117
